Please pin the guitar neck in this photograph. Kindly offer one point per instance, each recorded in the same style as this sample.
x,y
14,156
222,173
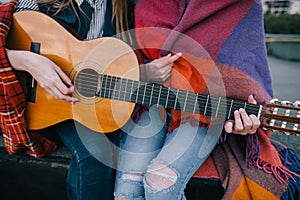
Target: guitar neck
x,y
89,84
112,87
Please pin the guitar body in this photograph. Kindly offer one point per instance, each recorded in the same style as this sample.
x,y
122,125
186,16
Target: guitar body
x,y
104,55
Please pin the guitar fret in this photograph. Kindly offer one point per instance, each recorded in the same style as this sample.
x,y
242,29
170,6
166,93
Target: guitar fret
x,y
141,93
145,85
218,107
105,92
186,95
131,90
175,104
126,82
120,88
147,93
163,96
151,94
137,92
196,103
102,86
259,112
114,88
110,89
205,109
245,105
159,95
116,81
229,113
166,104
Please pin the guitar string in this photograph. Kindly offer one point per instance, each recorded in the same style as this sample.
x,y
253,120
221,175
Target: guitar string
x,y
210,110
116,78
165,88
189,101
237,104
190,93
219,113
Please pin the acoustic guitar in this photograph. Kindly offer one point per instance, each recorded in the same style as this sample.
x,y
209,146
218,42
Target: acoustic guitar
x,y
105,73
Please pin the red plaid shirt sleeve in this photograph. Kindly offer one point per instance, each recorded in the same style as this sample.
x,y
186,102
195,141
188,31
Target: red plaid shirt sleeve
x,y
12,101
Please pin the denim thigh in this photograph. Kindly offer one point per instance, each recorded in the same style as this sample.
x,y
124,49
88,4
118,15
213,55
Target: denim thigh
x,y
140,143
90,172
184,151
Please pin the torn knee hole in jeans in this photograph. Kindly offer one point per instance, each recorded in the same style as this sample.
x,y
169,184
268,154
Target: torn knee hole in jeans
x,y
132,177
160,176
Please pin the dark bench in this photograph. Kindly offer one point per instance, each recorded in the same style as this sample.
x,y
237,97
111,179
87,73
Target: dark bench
x,y
24,177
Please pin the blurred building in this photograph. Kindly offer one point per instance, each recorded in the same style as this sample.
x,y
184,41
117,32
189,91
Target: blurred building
x,y
282,6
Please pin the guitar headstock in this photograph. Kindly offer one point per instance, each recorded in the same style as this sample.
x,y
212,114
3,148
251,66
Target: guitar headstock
x,y
281,116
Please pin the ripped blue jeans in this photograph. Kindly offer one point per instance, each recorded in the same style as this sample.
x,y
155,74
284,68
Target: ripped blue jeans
x,y
153,164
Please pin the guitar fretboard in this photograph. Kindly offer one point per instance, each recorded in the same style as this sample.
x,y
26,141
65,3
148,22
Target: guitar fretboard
x,y
128,90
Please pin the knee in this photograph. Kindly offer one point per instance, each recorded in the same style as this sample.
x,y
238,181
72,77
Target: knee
x,y
129,186
160,177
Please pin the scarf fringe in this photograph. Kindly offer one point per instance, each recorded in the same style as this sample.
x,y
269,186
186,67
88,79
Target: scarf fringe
x,y
292,161
281,173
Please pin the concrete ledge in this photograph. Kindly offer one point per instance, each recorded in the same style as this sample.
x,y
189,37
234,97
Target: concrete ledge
x,y
283,46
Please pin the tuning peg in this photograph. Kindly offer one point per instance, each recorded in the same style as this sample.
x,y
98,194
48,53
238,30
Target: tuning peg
x,y
275,101
286,103
297,104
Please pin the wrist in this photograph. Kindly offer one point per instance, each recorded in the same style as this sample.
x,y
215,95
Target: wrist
x,y
16,59
143,73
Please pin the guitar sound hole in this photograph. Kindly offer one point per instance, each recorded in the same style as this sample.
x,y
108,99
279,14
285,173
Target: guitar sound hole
x,y
86,82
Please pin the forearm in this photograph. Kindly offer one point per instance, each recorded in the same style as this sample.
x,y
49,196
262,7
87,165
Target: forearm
x,y
18,59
